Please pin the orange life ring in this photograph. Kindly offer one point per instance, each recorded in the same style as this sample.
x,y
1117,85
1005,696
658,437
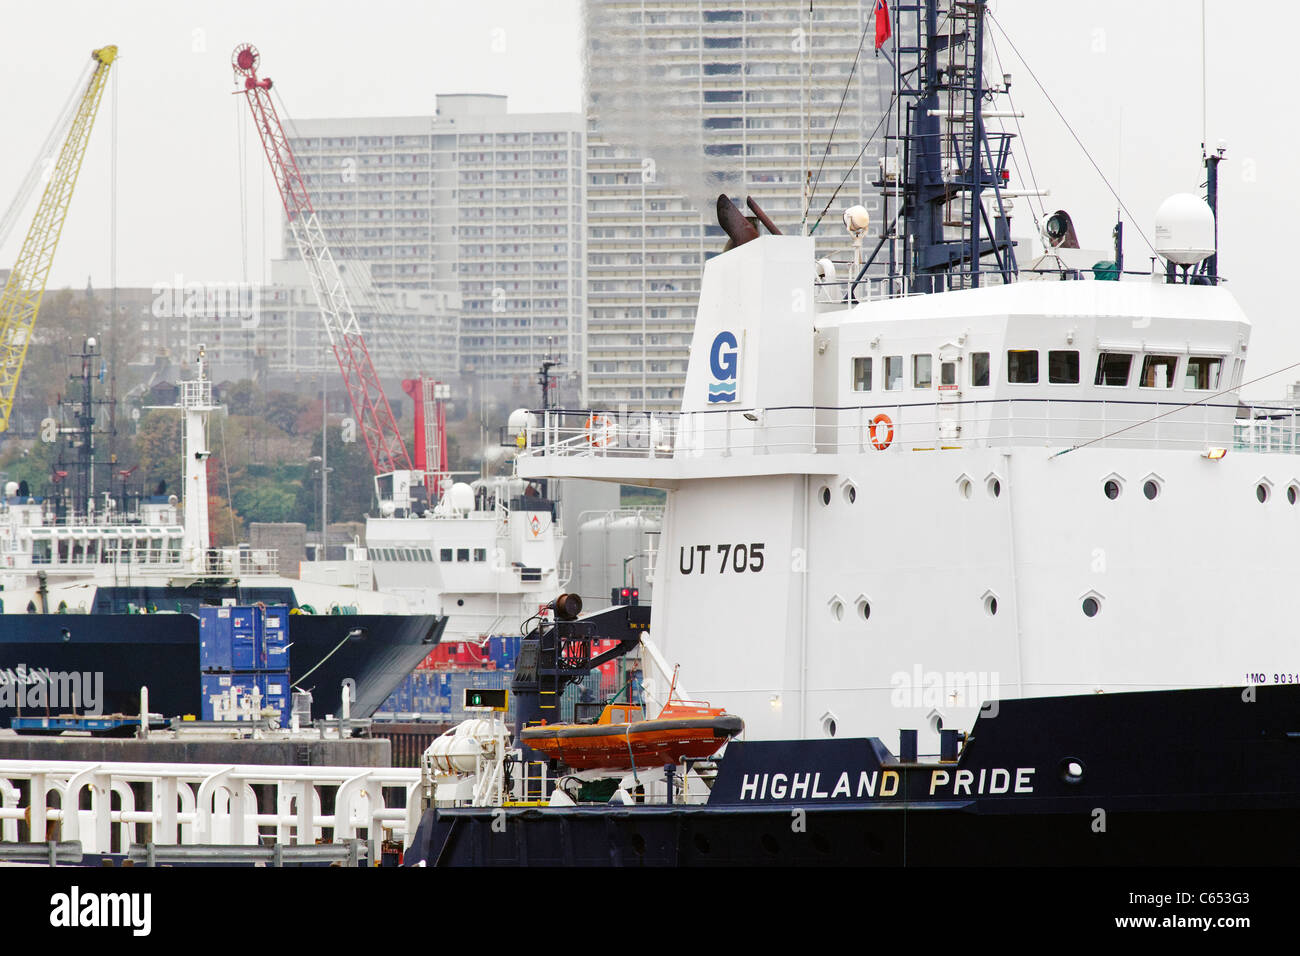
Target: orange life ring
x,y
879,443
599,428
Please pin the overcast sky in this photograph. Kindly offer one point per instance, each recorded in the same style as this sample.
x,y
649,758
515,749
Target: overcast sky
x,y
1126,75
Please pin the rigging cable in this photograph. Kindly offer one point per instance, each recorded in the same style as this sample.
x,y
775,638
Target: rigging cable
x,y
42,166
848,83
1132,219
861,153
1179,408
1033,179
112,280
225,461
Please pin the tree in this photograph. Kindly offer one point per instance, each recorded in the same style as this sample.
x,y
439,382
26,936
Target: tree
x,y
351,482
158,450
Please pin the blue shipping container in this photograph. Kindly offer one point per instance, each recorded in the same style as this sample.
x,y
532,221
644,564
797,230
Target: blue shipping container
x,y
214,638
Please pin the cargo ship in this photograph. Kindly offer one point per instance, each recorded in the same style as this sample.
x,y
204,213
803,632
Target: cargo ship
x,y
103,585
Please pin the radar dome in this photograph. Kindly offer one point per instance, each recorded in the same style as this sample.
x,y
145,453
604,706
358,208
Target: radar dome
x,y
460,499
520,419
1184,229
11,489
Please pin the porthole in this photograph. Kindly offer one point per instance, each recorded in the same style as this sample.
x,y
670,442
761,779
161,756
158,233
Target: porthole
x,y
826,496
864,608
990,605
1291,494
995,487
1091,606
1072,770
701,843
829,725
769,844
850,494
1111,488
964,488
837,610
1261,493
1151,488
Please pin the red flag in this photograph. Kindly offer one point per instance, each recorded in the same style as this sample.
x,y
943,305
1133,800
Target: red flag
x,y
883,31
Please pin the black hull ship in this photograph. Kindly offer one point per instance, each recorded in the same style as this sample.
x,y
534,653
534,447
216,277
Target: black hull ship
x,y
161,651
1185,777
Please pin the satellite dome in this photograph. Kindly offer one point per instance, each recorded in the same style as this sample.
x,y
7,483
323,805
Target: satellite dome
x,y
1184,229
520,419
461,498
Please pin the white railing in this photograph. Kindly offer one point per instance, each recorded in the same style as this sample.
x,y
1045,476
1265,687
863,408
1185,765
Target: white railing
x,y
900,427
237,561
201,804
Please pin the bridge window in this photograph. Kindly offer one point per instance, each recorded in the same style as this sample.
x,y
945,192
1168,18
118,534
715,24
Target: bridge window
x,y
1202,373
862,375
1022,367
444,554
979,369
893,372
480,554
462,554
1063,367
922,374
1112,369
1158,371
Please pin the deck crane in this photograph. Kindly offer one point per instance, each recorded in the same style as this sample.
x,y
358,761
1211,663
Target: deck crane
x,y
23,290
374,416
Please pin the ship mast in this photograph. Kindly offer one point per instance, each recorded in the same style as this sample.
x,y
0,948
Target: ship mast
x,y
951,161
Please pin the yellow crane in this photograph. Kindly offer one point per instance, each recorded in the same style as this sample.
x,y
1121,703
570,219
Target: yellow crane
x,y
21,299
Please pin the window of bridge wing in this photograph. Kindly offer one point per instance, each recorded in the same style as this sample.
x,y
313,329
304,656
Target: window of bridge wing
x,y
893,372
979,369
1158,371
862,375
922,371
1022,366
1202,373
1063,367
1113,368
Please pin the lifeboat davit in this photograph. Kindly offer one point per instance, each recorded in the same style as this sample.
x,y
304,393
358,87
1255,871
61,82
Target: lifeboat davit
x,y
623,739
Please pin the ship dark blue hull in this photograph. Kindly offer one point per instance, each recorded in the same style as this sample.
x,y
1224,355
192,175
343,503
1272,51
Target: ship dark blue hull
x,y
161,651
1204,777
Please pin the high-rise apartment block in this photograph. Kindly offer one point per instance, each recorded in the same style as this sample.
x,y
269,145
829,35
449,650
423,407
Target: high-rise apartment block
x,y
472,200
687,100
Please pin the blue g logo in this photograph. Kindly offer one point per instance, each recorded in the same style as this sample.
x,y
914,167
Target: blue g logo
x,y
724,360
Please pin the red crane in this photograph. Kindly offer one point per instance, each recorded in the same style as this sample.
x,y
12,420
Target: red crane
x,y
374,416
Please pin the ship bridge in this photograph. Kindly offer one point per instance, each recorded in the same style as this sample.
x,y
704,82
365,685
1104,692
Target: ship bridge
x,y
776,387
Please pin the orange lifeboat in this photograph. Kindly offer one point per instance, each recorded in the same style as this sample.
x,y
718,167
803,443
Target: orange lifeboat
x,y
623,739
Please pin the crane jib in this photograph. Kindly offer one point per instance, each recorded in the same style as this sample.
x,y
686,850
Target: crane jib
x,y
377,424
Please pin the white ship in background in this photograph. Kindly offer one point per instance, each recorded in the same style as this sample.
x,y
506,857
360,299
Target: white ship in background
x,y
488,553
58,551
935,481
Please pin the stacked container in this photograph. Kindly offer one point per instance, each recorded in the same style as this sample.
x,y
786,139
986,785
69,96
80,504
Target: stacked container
x,y
245,648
